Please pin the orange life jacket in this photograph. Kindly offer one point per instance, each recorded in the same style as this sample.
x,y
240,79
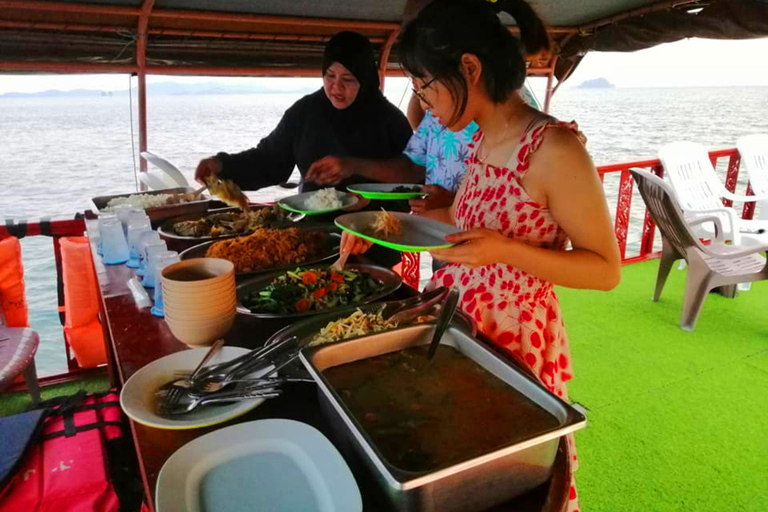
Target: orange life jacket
x,y
82,329
13,301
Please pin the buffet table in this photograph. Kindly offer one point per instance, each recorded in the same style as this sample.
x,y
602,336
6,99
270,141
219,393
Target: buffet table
x,y
136,338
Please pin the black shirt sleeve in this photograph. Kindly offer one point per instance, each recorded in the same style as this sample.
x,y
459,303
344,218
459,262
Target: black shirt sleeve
x,y
269,163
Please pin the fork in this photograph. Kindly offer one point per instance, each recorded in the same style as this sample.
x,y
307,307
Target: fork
x,y
195,401
172,392
219,371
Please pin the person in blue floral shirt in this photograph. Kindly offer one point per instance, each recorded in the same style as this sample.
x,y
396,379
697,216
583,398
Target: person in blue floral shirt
x,y
442,153
434,155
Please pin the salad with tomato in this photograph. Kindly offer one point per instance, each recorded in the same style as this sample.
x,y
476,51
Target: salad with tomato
x,y
304,290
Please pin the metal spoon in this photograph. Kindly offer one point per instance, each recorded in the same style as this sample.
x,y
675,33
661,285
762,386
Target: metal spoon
x,y
190,402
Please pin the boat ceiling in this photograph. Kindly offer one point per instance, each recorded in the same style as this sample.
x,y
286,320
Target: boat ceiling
x,y
286,37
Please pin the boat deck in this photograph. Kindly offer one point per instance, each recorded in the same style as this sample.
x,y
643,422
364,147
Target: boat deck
x,y
677,420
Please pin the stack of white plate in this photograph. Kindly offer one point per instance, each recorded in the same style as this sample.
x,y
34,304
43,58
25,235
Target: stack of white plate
x,y
199,299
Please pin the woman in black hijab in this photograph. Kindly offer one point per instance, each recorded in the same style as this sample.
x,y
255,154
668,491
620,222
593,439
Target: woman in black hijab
x,y
349,116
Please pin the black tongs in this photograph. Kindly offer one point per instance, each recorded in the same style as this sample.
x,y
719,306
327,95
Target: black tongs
x,y
447,311
408,310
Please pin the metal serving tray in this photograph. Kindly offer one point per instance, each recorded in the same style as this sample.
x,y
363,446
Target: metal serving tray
x,y
469,486
161,213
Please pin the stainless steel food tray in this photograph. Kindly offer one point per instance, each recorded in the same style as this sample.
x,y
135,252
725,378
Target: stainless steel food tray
x,y
161,213
471,485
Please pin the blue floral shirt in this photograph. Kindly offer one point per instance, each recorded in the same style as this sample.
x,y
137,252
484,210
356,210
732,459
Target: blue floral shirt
x,y
443,151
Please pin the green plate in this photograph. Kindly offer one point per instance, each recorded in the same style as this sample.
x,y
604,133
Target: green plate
x,y
298,202
385,191
417,234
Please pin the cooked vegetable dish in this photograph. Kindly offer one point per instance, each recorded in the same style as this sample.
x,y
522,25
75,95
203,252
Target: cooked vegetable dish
x,y
403,188
357,324
386,224
231,223
426,415
313,290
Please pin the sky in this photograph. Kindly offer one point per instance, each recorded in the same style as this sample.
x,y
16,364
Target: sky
x,y
692,62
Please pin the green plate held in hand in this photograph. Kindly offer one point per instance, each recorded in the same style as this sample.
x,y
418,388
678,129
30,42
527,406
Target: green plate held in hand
x,y
387,191
417,234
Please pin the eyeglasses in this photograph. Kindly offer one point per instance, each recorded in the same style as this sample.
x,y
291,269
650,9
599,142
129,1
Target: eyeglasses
x,y
419,92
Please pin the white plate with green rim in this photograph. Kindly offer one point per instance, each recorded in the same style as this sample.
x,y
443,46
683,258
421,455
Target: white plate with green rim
x,y
387,191
417,234
137,398
276,465
298,203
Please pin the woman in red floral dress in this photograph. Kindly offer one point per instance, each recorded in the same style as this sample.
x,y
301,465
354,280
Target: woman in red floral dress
x,y
531,205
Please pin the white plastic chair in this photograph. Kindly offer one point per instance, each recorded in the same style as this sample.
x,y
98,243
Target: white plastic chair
x,y
172,177
700,193
754,158
710,266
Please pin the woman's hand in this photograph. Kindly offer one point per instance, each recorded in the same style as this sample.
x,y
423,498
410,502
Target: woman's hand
x,y
353,245
207,167
329,170
437,197
476,248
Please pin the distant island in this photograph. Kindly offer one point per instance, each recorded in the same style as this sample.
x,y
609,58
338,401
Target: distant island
x,y
166,88
597,83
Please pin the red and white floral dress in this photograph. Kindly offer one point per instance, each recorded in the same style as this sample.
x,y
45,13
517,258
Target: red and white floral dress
x,y
516,310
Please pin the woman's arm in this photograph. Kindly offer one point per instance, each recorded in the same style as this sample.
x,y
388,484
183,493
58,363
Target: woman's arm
x,y
331,170
563,173
269,163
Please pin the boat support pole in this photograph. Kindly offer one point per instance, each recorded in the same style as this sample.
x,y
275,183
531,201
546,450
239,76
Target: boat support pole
x,y
384,61
141,61
550,82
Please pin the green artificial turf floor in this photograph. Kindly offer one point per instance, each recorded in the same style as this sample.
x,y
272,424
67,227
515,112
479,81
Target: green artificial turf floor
x,y
678,421
12,403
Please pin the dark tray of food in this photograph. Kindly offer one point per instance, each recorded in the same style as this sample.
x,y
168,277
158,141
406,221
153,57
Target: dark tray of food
x,y
314,289
223,224
433,434
270,250
158,208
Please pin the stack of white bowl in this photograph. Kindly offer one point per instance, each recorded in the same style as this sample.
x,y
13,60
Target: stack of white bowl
x,y
199,299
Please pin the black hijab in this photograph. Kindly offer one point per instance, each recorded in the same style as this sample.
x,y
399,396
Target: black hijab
x,y
355,52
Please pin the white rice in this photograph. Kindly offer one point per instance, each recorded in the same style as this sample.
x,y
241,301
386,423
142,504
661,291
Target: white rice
x,y
139,201
325,199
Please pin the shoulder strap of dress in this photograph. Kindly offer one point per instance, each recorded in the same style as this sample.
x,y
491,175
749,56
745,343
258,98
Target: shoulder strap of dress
x,y
534,135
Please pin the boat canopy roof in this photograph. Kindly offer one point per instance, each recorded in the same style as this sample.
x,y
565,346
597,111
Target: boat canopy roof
x,y
286,37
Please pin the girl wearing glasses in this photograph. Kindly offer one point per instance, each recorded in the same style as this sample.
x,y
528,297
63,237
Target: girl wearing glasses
x,y
530,190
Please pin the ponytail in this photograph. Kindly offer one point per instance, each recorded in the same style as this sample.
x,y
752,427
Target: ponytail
x,y
533,33
433,43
